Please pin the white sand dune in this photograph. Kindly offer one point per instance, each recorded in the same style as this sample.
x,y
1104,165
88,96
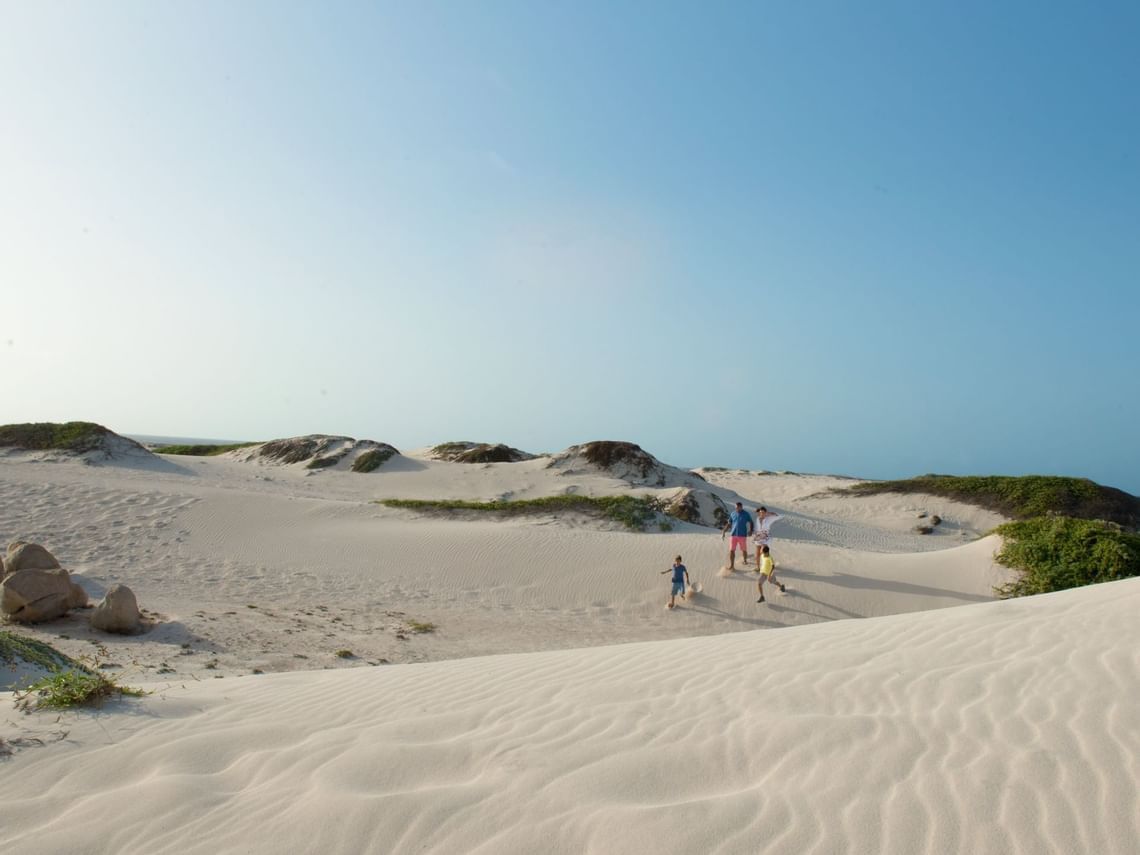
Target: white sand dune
x,y
1005,727
278,568
948,722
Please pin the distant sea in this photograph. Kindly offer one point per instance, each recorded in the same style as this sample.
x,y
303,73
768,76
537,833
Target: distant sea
x,y
147,439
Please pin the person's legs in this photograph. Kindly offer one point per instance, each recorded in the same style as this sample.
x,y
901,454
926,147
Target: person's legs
x,y
760,588
678,588
772,579
732,547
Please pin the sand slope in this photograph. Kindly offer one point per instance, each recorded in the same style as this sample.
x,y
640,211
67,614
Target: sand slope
x,y
254,567
1006,727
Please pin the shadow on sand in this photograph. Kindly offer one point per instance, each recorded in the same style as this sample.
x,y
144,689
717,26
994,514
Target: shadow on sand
x,y
862,583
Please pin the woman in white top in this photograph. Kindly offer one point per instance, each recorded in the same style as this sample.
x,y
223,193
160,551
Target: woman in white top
x,y
762,533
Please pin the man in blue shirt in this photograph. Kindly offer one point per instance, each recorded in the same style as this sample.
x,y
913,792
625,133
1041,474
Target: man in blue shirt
x,y
740,522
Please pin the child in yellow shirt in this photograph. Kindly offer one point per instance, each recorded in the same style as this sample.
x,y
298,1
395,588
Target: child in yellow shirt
x,y
767,572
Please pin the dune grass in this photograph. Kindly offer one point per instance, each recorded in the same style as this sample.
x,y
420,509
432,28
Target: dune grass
x,y
1056,552
634,512
1066,532
49,436
1020,497
372,459
329,460
202,450
75,687
70,683
16,648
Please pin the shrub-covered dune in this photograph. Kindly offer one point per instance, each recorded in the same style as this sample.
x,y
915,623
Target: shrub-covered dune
x,y
85,439
1020,497
479,452
318,451
1066,532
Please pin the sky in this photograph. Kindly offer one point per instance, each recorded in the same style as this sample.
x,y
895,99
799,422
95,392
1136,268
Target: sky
x,y
877,239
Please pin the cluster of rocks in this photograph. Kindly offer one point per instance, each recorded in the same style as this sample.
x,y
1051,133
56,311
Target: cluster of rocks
x,y
34,588
927,528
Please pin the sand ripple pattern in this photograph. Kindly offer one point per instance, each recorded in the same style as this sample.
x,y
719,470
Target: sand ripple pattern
x,y
1004,727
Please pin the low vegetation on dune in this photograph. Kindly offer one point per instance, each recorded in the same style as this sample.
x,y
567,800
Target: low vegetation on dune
x,y
294,450
478,452
15,648
77,687
606,454
78,437
373,459
320,451
1066,532
202,450
69,683
1020,497
325,461
634,512
1056,552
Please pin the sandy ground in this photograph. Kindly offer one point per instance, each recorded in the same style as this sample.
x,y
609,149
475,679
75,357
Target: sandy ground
x,y
250,567
557,706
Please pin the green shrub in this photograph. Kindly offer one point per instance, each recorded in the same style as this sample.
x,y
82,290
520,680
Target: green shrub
x,y
1020,497
421,626
72,688
634,512
486,453
44,436
1053,553
19,648
323,462
372,459
292,450
451,450
202,450
606,454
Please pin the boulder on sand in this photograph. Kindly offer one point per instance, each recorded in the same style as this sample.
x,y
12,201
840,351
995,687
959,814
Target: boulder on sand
x,y
118,612
28,556
35,596
78,599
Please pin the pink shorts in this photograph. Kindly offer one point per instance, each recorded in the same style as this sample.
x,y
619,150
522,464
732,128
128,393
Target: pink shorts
x,y
740,543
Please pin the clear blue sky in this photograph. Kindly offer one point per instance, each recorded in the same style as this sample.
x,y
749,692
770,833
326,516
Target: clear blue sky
x,y
878,239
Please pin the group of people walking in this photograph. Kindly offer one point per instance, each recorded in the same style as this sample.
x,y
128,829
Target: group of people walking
x,y
739,527
742,527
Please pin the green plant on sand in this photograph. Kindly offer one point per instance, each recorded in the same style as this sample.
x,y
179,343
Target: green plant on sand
x,y
1056,552
372,459
19,648
71,683
202,450
634,512
75,687
1020,497
45,436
